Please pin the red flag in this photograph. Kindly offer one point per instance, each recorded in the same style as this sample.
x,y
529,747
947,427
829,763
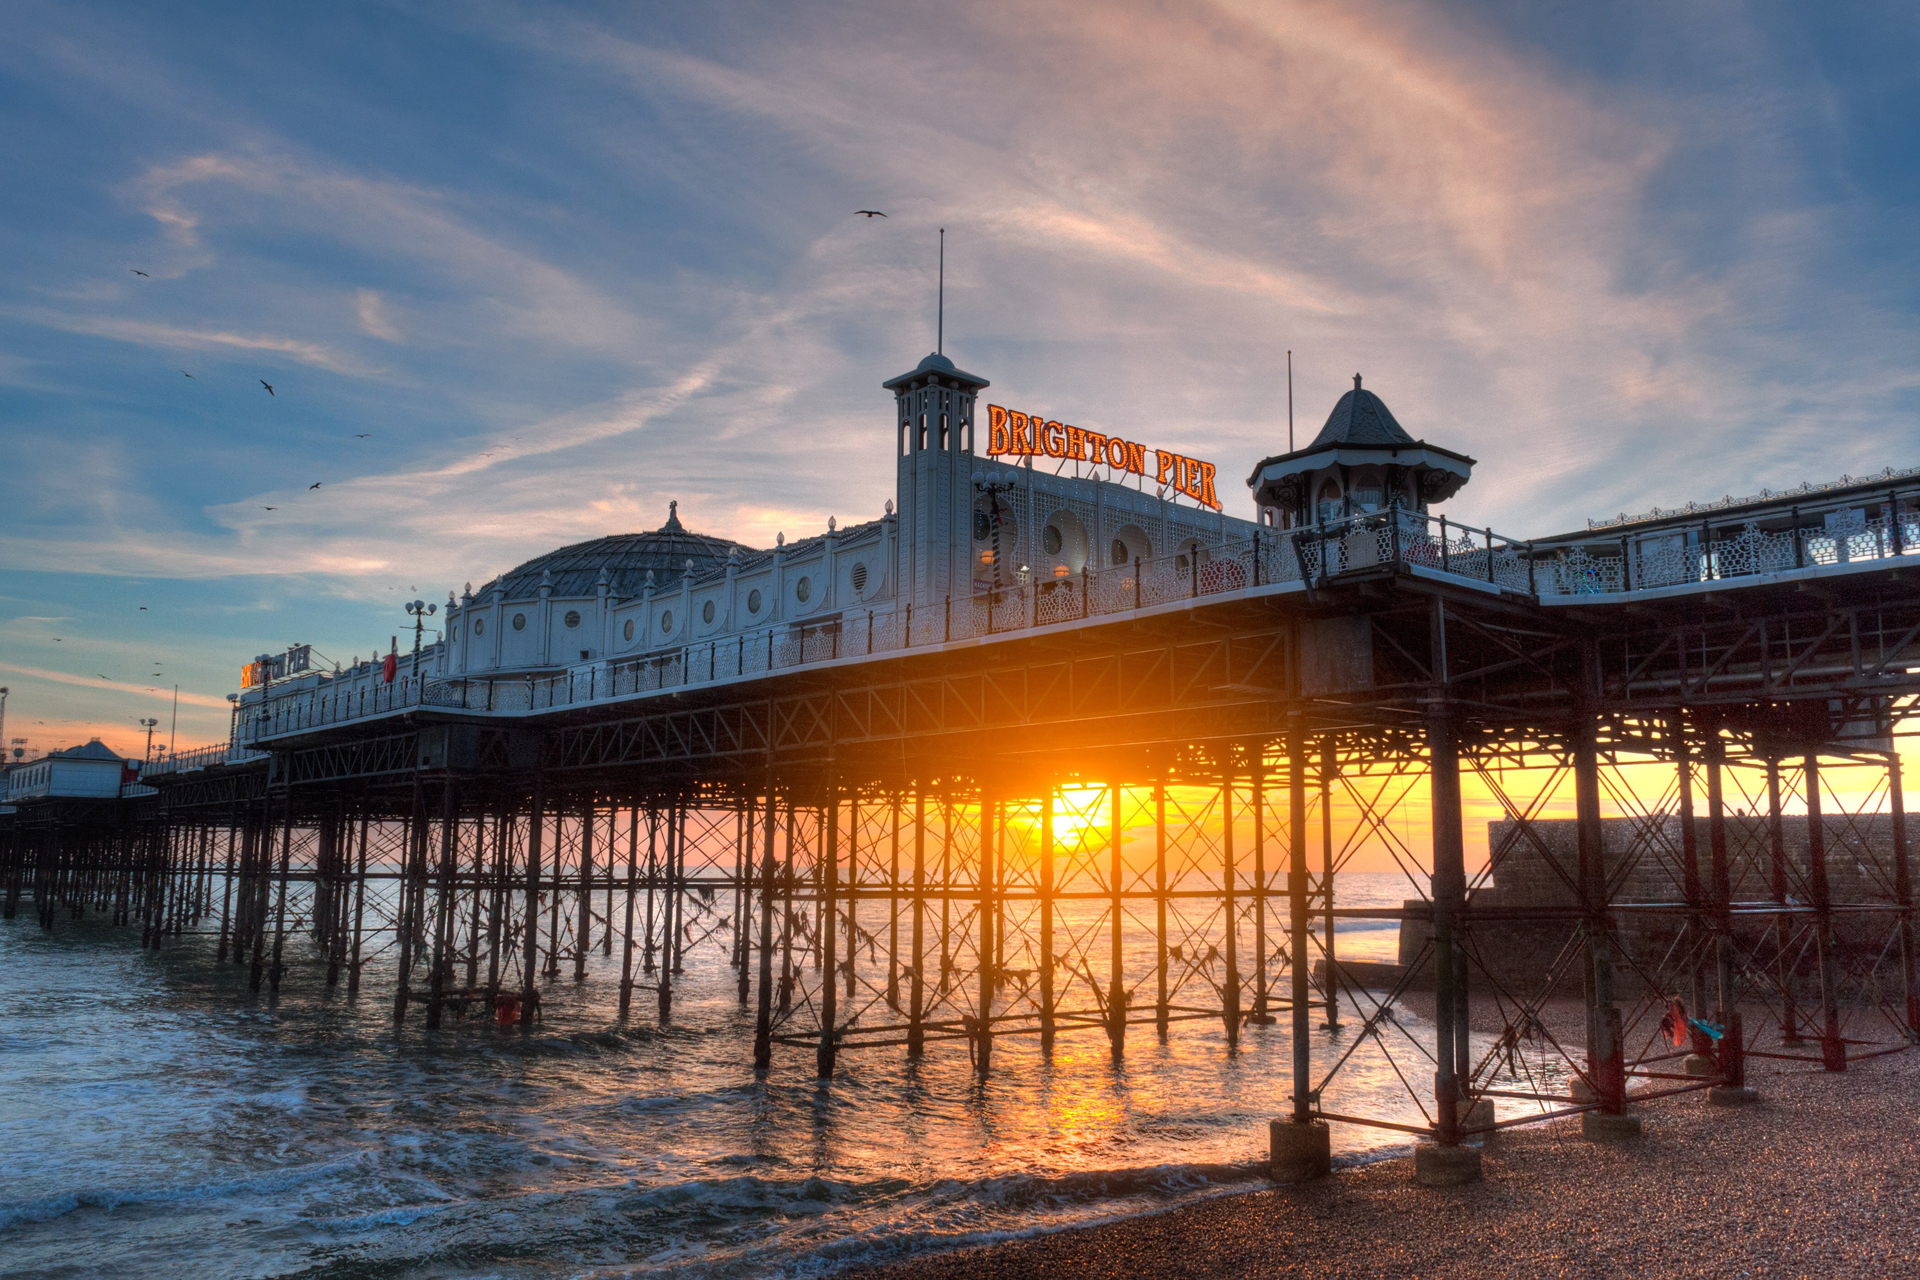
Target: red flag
x,y
389,667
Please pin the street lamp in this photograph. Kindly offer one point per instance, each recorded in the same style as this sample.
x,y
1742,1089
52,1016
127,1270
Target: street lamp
x,y
421,611
3,712
149,724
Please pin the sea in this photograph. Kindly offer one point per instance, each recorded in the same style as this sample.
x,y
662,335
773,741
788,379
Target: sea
x,y
158,1119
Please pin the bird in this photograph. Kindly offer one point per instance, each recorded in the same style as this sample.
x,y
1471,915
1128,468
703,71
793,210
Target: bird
x,y
101,676
362,435
268,386
143,608
315,485
184,373
269,508
869,214
137,271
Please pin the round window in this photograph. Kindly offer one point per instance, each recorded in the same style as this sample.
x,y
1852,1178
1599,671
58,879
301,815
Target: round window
x,y
626,632
519,622
803,589
666,620
1052,540
572,619
982,526
706,612
859,576
1119,551
753,600
479,626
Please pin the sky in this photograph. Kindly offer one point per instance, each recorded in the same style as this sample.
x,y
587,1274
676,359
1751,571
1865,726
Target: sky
x,y
520,275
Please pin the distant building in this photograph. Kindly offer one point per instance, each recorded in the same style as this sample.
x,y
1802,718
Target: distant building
x,y
91,772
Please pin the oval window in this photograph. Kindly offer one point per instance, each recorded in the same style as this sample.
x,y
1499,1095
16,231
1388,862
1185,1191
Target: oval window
x,y
859,576
1119,551
666,620
803,589
1052,540
753,600
706,612
572,619
626,632
479,626
519,622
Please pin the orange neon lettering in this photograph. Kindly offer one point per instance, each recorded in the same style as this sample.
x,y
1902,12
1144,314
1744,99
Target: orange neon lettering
x,y
1206,494
1136,458
1097,446
1053,440
1076,443
1017,431
996,430
1163,463
1189,477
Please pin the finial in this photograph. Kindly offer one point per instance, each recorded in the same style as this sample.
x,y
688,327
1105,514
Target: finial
x,y
889,506
1356,382
780,539
673,524
829,524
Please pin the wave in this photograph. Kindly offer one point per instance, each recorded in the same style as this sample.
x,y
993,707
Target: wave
x,y
61,1203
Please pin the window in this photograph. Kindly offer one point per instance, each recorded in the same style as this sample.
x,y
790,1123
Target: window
x,y
666,620
572,619
1052,540
753,600
706,612
626,632
519,622
803,590
1119,552
1329,506
479,626
859,576
943,431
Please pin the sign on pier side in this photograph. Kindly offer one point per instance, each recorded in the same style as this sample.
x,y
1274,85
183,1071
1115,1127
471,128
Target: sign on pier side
x,y
1011,433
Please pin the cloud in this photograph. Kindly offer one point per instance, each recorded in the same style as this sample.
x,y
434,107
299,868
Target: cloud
x,y
372,310
117,686
152,334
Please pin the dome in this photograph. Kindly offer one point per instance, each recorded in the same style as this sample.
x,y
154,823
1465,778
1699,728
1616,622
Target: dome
x,y
626,558
1361,417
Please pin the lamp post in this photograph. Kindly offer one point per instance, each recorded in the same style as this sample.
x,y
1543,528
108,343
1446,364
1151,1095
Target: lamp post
x,y
993,489
420,610
149,723
3,712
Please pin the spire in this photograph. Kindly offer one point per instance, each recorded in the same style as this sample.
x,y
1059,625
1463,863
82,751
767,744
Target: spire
x,y
673,524
1356,382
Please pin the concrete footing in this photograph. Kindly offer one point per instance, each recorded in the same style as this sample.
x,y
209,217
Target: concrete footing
x,y
1699,1064
1298,1152
1438,1166
1732,1095
1582,1091
1599,1126
1478,1116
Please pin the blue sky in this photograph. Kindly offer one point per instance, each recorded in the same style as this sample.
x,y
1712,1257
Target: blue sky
x,y
561,264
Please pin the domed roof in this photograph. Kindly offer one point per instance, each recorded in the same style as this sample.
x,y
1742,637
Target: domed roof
x,y
1361,417
626,557
933,367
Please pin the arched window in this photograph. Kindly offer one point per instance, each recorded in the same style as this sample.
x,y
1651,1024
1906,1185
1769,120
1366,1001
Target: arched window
x,y
1329,505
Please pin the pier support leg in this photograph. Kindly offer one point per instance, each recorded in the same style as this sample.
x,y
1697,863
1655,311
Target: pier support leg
x,y
1606,1057
1299,1145
1833,1049
763,1016
1046,921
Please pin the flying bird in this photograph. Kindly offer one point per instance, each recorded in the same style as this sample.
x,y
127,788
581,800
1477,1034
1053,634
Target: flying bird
x,y
269,508
184,373
102,677
268,386
143,608
315,485
363,435
137,271
868,214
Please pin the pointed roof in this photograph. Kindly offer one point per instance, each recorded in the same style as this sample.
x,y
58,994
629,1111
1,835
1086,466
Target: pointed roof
x,y
95,750
1361,418
935,366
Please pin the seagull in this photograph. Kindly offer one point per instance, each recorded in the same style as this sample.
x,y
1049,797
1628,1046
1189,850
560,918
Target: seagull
x,y
315,485
268,386
101,676
868,214
143,608
184,373
363,435
269,508
137,271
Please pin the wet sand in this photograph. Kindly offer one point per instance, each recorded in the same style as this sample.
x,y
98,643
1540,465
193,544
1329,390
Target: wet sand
x,y
1821,1178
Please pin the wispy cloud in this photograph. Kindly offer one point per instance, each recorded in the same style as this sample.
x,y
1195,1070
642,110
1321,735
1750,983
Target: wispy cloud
x,y
117,686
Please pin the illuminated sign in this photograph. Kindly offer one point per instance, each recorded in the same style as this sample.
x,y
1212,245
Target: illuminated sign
x,y
1012,434
277,666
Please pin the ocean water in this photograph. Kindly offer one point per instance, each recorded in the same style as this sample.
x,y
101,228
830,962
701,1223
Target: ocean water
x,y
158,1119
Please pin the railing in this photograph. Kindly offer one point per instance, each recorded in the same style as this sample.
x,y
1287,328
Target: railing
x,y
1393,541
201,758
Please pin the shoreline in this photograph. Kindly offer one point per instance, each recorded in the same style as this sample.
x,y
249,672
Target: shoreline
x,y
1822,1176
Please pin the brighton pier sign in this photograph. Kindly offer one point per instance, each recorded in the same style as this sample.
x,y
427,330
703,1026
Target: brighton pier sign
x,y
1012,434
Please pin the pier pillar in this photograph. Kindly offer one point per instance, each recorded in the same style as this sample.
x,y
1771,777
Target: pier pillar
x,y
1833,1049
916,975
828,1050
1731,1053
530,975
1116,962
1329,770
1606,1055
1903,895
1230,914
763,1014
1046,921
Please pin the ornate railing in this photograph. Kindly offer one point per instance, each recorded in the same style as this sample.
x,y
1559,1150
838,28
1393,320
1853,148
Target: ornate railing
x,y
1388,542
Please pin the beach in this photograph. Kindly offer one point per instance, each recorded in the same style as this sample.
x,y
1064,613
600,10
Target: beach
x,y
1817,1179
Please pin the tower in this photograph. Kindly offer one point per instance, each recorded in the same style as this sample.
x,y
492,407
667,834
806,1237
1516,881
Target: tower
x,y
933,419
